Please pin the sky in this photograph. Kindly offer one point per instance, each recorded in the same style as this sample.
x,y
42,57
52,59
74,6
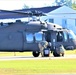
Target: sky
x,y
18,4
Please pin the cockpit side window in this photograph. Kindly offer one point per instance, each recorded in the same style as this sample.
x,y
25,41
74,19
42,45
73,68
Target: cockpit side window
x,y
59,36
72,35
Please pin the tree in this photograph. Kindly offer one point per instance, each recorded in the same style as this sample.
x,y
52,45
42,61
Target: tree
x,y
64,2
25,6
69,3
74,5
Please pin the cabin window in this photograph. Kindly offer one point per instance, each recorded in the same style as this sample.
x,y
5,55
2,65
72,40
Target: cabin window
x,y
51,20
38,36
29,37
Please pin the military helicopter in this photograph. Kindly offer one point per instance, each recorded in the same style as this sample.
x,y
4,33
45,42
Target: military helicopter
x,y
25,36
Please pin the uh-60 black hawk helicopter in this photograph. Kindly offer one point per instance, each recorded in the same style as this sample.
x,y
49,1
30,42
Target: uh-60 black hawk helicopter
x,y
28,36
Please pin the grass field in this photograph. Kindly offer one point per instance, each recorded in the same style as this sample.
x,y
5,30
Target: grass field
x,y
37,66
15,53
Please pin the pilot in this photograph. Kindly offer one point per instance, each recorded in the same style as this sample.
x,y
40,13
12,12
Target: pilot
x,y
62,50
42,46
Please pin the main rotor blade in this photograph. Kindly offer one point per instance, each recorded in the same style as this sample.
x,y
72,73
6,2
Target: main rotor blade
x,y
60,13
27,13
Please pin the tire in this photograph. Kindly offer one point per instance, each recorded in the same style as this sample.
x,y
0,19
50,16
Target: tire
x,y
46,55
55,54
63,54
35,53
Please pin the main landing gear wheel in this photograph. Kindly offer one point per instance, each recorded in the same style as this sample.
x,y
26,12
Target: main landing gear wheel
x,y
55,54
36,53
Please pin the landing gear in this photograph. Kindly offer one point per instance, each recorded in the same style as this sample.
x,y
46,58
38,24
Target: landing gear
x,y
62,54
55,54
46,53
36,53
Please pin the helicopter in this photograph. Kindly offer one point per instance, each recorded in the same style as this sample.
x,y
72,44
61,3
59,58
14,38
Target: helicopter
x,y
25,36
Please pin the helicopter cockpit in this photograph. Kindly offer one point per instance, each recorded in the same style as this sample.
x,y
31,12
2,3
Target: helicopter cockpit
x,y
67,38
71,35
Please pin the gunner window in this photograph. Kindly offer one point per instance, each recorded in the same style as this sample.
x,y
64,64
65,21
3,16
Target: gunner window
x,y
29,37
38,36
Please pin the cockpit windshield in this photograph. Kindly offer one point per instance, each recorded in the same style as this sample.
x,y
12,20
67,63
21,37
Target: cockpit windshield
x,y
72,35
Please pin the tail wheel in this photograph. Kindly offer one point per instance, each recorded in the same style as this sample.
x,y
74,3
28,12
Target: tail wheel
x,y
35,53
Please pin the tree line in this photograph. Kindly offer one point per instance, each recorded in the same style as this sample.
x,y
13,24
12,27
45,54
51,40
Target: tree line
x,y
66,2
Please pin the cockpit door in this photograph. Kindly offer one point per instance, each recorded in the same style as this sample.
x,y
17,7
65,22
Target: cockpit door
x,y
62,38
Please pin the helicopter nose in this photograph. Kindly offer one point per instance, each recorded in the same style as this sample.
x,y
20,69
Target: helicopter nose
x,y
70,47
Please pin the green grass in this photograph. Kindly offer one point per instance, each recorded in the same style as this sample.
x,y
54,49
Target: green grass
x,y
38,66
70,52
15,53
